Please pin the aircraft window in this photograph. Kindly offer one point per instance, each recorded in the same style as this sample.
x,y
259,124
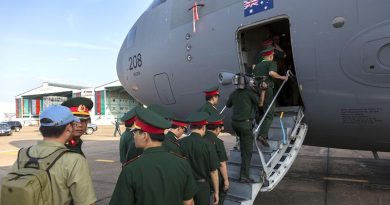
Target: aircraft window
x,y
156,3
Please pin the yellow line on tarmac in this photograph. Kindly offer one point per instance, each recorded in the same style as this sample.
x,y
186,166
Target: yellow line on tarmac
x,y
345,180
9,152
105,160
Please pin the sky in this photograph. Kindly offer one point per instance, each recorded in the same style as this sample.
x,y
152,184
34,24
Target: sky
x,y
64,41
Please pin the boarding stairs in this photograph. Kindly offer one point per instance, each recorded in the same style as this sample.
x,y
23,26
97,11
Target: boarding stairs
x,y
269,164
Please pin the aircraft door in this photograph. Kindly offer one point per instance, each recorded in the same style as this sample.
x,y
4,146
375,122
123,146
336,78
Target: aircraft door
x,y
164,89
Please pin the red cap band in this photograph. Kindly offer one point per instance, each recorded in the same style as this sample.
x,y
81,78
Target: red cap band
x,y
220,122
204,122
215,92
267,53
180,124
268,42
148,128
130,121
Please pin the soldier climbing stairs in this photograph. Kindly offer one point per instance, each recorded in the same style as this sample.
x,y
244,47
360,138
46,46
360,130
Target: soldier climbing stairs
x,y
269,164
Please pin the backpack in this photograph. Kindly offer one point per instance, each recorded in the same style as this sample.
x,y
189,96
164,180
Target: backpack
x,y
31,183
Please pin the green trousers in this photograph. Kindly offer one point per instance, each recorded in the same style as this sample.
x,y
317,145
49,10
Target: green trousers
x,y
244,130
202,197
270,115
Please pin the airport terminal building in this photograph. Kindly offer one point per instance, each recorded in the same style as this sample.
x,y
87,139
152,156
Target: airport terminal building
x,y
111,101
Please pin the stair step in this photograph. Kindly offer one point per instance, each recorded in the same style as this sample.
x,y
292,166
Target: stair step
x,y
234,200
293,109
273,145
238,189
288,121
235,157
234,171
277,133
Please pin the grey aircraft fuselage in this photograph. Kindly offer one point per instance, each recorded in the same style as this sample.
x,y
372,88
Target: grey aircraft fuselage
x,y
343,71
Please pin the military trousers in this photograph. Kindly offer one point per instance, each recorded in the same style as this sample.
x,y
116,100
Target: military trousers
x,y
202,197
244,130
270,115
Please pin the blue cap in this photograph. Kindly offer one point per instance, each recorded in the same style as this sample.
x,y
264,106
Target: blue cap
x,y
58,115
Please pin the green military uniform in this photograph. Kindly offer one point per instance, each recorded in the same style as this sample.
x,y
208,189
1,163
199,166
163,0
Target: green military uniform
x,y
245,104
207,106
222,156
75,146
80,107
203,159
171,143
156,176
263,69
127,149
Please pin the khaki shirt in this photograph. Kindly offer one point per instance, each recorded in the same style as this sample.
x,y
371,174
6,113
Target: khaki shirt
x,y
70,175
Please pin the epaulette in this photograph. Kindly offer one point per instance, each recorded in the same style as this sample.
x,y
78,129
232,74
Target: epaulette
x,y
176,143
131,160
178,155
210,140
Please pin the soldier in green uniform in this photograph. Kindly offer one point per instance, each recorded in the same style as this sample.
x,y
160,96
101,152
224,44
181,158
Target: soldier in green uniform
x,y
171,141
267,69
214,128
80,107
172,136
202,158
245,104
212,98
156,176
127,149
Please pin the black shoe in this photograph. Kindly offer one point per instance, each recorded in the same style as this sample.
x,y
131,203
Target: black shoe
x,y
263,141
245,180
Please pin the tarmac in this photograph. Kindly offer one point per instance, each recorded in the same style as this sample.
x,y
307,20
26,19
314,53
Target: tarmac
x,y
318,176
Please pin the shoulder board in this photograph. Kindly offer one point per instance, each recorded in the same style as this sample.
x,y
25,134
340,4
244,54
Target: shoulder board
x,y
131,160
176,143
209,140
178,155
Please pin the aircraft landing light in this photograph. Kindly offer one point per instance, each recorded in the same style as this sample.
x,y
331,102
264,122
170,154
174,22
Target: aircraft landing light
x,y
345,180
105,160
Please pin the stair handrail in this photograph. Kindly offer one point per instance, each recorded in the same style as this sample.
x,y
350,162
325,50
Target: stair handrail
x,y
265,165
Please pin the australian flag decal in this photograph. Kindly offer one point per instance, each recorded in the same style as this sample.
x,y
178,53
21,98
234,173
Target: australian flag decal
x,y
256,6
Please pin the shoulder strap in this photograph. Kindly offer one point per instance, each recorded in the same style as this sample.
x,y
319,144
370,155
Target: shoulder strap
x,y
52,158
22,156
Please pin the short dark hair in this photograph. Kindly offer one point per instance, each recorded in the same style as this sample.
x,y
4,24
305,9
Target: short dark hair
x,y
129,124
209,97
196,127
213,127
52,131
157,137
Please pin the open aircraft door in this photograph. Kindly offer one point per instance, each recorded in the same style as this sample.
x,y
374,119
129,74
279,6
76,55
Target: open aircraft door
x,y
269,164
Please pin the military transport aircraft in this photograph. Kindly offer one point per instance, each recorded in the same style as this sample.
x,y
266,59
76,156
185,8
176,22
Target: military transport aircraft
x,y
339,52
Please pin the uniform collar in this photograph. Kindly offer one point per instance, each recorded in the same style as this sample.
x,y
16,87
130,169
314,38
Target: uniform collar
x,y
154,149
209,133
171,135
196,134
51,143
